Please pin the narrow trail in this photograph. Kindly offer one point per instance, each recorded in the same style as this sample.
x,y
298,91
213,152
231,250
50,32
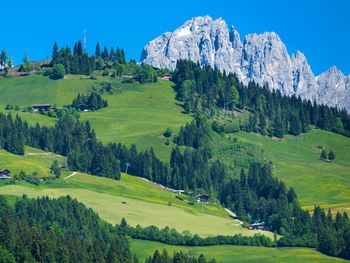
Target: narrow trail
x,y
71,175
231,213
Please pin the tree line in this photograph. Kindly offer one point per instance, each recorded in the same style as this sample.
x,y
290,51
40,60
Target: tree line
x,y
93,102
203,89
177,257
58,230
172,237
111,62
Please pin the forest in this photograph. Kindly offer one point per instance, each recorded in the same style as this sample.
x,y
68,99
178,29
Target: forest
x,y
58,230
204,90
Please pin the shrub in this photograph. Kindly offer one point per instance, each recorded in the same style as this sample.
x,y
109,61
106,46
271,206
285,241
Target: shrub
x,y
58,71
168,132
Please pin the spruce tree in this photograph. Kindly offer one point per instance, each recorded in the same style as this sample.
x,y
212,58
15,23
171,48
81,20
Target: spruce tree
x,y
98,51
331,155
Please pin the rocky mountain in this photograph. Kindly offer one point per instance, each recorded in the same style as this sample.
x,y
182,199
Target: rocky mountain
x,y
262,58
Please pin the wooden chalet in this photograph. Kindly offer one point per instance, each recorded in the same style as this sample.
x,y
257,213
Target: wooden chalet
x,y
45,107
166,77
204,199
5,174
257,226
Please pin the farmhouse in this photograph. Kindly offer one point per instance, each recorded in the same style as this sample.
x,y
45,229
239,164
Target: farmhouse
x,y
4,174
178,191
204,199
37,107
166,77
257,226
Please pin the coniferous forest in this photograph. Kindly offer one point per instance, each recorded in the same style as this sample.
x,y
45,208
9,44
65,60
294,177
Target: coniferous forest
x,y
203,89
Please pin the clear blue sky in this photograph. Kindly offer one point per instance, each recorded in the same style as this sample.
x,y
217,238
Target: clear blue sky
x,y
320,29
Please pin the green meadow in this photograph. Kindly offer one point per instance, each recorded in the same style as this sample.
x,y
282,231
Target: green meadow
x,y
135,199
231,254
136,113
34,160
140,115
297,162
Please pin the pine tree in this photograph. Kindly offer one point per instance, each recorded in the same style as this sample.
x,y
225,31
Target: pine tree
x,y
97,51
331,155
54,59
324,155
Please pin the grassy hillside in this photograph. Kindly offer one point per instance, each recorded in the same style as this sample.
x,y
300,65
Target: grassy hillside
x,y
140,115
33,161
297,162
241,254
136,113
146,203
25,91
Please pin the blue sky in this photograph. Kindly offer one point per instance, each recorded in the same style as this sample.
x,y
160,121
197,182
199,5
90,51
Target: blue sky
x,y
320,29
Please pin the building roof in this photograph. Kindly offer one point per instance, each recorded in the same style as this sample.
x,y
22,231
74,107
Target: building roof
x,y
41,105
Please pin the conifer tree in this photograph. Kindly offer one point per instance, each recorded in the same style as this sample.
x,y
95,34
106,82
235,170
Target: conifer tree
x,y
331,155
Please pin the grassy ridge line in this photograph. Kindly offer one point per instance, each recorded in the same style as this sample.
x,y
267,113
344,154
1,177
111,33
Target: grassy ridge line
x,y
297,163
241,254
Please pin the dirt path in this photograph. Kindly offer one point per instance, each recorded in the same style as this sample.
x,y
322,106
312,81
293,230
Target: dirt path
x,y
71,175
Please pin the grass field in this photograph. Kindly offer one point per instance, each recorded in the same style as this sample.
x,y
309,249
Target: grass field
x,y
33,161
140,115
231,254
146,204
297,162
136,113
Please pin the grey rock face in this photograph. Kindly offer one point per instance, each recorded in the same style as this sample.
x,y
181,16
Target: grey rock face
x,y
262,58
335,89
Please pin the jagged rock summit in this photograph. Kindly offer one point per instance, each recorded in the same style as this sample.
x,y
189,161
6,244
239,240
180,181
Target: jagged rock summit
x,y
262,58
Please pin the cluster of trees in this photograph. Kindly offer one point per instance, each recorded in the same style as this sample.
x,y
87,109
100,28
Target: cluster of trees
x,y
76,62
92,102
111,62
258,196
177,257
55,168
117,56
5,62
328,234
194,134
58,230
11,138
330,156
172,237
203,89
193,170
26,66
